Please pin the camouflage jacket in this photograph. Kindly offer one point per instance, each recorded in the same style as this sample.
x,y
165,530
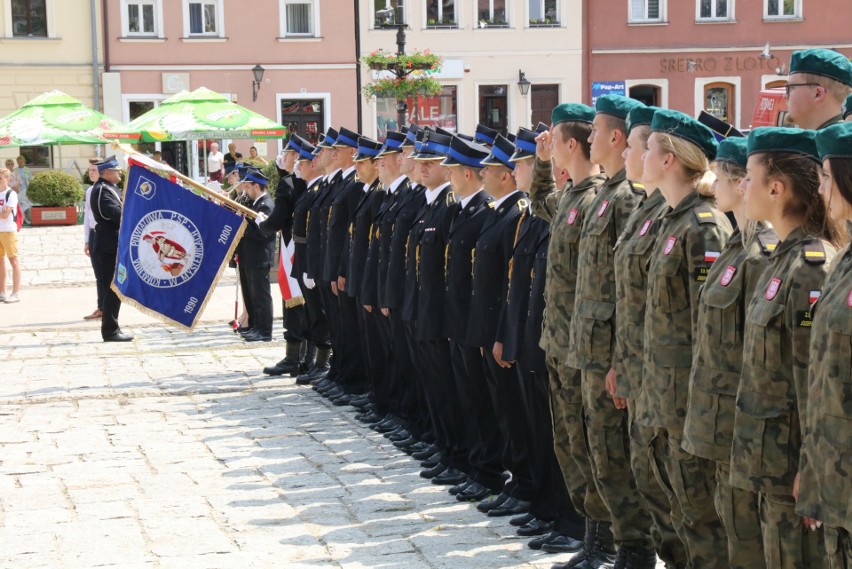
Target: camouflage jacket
x,y
591,341
773,392
631,289
691,236
718,354
826,483
565,210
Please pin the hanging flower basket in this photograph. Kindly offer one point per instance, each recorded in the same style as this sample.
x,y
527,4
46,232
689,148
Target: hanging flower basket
x,y
416,61
402,88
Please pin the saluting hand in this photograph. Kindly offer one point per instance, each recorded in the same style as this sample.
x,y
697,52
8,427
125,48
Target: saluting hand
x,y
544,146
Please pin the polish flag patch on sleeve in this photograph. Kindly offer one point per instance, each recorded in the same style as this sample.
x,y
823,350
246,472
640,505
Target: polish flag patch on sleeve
x,y
711,256
813,296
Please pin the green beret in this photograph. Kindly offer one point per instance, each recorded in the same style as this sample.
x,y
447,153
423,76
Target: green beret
x,y
846,109
640,116
685,127
616,105
734,149
835,141
783,139
824,62
572,112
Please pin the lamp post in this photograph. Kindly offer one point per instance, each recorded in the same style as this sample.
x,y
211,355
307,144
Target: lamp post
x,y
257,72
523,83
400,73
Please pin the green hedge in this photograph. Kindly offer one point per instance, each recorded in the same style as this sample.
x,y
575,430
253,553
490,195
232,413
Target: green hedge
x,y
55,189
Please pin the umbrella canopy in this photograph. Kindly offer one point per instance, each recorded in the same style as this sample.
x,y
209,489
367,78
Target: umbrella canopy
x,y
199,115
55,118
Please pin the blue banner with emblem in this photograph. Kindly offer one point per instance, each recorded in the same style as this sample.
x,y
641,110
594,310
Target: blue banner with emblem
x,y
172,247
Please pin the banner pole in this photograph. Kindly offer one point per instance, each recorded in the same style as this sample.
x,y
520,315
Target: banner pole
x,y
187,180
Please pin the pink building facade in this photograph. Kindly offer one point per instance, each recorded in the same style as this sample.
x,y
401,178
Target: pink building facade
x,y
155,48
712,55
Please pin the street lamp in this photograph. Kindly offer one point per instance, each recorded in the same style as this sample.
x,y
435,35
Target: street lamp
x,y
523,83
399,23
257,71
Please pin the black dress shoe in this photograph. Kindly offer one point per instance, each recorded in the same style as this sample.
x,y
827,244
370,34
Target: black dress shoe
x,y
510,507
474,493
342,400
493,503
398,434
405,444
432,461
118,337
243,329
432,472
417,447
537,542
259,337
284,367
369,418
449,477
460,487
388,425
522,520
562,544
535,527
322,383
425,453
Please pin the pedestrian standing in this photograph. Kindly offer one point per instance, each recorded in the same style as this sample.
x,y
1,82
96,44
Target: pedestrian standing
x,y
89,224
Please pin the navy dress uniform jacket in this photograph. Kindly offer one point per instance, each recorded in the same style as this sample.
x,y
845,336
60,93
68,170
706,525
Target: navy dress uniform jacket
x,y
301,213
342,202
490,270
287,191
105,203
256,249
360,231
464,232
431,269
316,231
399,219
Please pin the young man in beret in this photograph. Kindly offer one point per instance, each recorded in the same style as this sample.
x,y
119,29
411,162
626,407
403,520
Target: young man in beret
x,y
819,82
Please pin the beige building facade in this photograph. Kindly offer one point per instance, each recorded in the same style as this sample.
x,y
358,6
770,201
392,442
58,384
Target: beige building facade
x,y
48,44
487,46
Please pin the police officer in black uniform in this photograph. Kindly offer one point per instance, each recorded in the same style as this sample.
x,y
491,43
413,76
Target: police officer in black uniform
x,y
256,251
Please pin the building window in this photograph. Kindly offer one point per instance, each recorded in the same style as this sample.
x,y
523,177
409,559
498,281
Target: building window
x,y
648,94
29,18
141,18
719,101
714,10
544,13
304,117
492,13
493,103
435,111
298,18
441,14
379,22
782,9
647,11
203,18
36,156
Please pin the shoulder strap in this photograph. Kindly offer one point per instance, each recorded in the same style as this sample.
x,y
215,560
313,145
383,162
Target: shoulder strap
x,y
814,252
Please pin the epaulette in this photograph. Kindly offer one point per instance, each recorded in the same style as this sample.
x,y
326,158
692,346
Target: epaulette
x,y
704,213
491,204
814,252
768,241
523,204
637,187
451,199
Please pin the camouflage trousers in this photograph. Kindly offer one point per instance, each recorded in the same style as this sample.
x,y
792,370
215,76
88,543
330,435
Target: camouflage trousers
x,y
739,511
609,449
569,441
667,544
838,546
690,483
787,544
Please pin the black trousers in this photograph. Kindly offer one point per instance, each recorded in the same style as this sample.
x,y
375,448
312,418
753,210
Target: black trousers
x,y
419,421
376,343
295,324
402,400
509,403
99,283
483,441
258,298
354,368
442,400
316,329
332,314
112,304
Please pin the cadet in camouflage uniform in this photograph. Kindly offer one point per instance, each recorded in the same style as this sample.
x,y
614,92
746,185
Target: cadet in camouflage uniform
x,y
718,361
782,188
690,236
825,487
631,284
592,336
565,209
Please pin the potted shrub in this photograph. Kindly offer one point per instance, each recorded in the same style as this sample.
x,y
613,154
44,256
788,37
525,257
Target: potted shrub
x,y
55,195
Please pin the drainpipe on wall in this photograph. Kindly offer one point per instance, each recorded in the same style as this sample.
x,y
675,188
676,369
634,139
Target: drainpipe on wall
x,y
96,86
105,18
358,65
587,53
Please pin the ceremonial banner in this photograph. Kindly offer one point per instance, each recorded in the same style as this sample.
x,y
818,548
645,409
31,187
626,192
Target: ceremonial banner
x,y
291,292
172,247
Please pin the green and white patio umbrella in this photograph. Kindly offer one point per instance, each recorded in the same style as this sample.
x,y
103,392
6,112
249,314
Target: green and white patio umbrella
x,y
55,118
200,115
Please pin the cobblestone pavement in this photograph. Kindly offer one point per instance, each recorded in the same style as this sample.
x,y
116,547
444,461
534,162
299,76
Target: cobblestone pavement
x,y
175,451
